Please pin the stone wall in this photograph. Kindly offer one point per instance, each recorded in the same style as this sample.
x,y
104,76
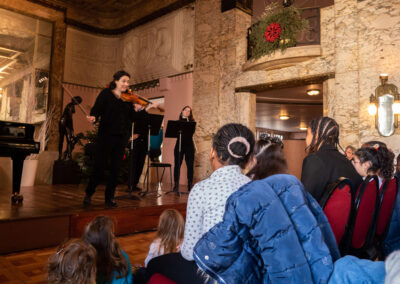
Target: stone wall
x,y
359,40
219,52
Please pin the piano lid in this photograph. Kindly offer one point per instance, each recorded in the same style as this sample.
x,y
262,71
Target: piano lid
x,y
16,130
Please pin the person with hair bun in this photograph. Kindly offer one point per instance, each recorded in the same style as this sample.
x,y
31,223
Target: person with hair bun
x,y
116,117
324,164
232,147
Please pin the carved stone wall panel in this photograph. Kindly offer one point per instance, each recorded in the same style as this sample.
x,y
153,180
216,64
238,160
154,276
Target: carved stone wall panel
x,y
91,60
160,49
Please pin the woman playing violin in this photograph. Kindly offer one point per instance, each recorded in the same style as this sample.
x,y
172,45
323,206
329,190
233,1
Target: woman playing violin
x,y
116,117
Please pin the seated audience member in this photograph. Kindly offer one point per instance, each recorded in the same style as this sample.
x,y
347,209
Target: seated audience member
x,y
374,161
232,147
350,269
74,263
113,264
169,234
397,173
324,164
349,151
273,231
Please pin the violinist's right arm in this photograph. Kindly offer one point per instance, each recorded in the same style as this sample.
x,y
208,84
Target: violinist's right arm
x,y
98,107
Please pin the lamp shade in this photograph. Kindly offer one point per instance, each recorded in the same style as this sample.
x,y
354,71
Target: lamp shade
x,y
396,107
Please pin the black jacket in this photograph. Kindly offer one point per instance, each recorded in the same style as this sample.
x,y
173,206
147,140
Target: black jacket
x,y
324,167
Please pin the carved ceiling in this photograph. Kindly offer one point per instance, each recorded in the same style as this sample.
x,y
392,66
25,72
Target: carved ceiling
x,y
112,16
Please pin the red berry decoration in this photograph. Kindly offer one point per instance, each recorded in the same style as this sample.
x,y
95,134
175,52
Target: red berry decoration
x,y
272,32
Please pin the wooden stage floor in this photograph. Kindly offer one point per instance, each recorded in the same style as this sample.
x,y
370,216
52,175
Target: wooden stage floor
x,y
51,214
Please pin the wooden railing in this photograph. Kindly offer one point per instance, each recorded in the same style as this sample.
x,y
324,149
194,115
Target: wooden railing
x,y
311,36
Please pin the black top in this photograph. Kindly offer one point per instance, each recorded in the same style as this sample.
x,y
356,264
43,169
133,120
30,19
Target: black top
x,y
324,167
116,116
187,138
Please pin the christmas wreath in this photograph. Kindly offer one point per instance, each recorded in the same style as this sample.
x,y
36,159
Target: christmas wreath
x,y
278,28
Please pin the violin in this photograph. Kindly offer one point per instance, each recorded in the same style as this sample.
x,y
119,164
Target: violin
x,y
131,97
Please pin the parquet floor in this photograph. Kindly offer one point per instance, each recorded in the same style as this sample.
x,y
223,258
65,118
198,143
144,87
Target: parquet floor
x,y
30,266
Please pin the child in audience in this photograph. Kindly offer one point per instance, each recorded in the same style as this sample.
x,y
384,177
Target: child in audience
x,y
169,234
376,160
232,147
113,264
272,231
324,164
73,263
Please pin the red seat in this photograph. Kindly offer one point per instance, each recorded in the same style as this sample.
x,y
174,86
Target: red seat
x,y
387,198
158,278
337,204
366,205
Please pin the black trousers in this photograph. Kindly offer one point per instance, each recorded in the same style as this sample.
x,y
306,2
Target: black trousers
x,y
176,268
139,155
108,148
187,151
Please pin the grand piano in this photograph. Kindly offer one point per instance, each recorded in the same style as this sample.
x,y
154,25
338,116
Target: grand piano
x,y
16,141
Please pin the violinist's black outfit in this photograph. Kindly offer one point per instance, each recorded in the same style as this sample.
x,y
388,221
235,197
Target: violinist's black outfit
x,y
187,151
116,117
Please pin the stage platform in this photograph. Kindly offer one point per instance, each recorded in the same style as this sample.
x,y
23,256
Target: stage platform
x,y
51,214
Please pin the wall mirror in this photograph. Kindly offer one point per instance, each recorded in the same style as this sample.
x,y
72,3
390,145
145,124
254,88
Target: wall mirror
x,y
25,52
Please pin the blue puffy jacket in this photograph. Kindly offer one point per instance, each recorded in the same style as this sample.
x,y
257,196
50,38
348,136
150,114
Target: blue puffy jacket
x,y
272,232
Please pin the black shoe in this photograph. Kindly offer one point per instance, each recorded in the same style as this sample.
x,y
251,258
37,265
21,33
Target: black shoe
x,y
87,200
111,204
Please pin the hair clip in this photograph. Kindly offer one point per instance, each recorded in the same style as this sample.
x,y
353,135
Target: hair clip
x,y
60,250
376,147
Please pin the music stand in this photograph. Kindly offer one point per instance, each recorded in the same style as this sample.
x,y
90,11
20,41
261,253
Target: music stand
x,y
149,125
130,186
175,129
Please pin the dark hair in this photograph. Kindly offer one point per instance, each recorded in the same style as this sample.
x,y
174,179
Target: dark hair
x,y
270,160
325,131
74,262
99,233
191,118
373,143
116,77
381,159
398,159
351,148
233,144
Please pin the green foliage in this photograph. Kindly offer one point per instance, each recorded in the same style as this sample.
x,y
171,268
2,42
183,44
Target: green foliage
x,y
292,25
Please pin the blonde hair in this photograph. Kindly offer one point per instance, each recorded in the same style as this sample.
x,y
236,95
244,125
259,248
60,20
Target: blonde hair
x,y
171,227
74,262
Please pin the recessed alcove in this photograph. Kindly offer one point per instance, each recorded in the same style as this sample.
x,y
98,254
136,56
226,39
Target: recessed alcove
x,y
289,57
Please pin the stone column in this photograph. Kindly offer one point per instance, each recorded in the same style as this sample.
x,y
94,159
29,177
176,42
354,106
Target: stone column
x,y
343,107
219,52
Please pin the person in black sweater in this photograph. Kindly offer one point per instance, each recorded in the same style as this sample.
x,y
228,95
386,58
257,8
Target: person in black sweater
x,y
187,151
116,117
324,163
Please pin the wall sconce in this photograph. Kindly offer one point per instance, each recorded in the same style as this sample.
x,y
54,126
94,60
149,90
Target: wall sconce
x,y
385,106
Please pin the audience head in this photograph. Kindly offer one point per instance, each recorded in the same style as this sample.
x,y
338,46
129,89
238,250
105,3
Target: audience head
x,y
268,159
349,151
118,77
374,160
322,131
186,112
100,234
373,143
232,145
398,164
171,227
74,262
